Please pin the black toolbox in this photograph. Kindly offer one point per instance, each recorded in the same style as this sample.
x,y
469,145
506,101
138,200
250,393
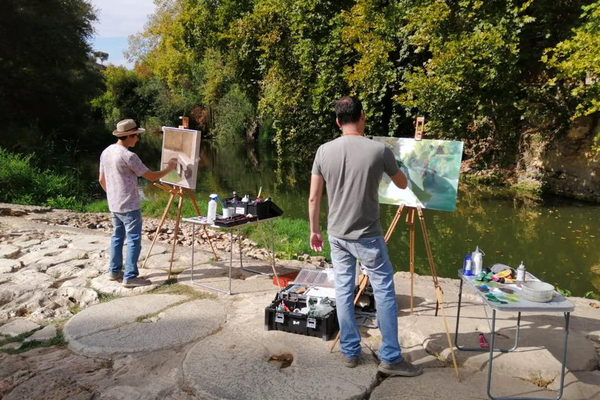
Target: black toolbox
x,y
261,209
276,319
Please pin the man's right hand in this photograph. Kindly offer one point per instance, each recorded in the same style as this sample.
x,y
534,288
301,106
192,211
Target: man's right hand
x,y
172,164
316,241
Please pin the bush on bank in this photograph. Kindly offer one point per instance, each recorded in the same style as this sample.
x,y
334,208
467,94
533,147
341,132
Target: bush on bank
x,y
22,182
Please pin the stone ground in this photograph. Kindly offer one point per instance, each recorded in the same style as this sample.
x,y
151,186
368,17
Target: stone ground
x,y
72,334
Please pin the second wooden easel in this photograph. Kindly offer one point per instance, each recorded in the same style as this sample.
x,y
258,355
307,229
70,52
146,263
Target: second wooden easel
x,y
176,191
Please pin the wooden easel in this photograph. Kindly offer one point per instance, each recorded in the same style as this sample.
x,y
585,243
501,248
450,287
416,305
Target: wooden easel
x,y
410,220
176,191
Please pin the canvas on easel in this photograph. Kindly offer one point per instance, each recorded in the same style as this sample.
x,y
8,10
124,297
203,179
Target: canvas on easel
x,y
432,168
183,145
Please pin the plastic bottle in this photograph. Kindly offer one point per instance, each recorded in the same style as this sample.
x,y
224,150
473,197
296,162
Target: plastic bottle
x,y
477,261
521,273
467,266
212,209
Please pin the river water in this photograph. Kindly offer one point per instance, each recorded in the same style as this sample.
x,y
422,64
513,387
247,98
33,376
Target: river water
x,y
558,240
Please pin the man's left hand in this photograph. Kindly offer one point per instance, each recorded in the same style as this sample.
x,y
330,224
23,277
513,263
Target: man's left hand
x,y
316,241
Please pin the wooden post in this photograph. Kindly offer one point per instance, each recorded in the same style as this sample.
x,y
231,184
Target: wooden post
x,y
419,128
185,122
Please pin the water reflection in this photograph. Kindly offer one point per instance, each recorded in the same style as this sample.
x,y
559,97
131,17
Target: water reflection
x,y
558,240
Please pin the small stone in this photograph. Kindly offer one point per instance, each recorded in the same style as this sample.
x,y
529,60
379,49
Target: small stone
x,y
47,333
8,266
12,346
18,327
8,251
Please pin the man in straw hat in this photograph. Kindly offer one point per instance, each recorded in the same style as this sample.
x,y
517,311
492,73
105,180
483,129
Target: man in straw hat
x,y
119,170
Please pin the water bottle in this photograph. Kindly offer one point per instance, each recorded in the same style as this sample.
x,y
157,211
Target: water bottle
x,y
212,209
521,273
467,266
477,261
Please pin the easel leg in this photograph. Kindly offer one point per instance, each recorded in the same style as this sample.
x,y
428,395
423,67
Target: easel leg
x,y
440,300
438,289
411,222
203,226
429,254
176,230
160,224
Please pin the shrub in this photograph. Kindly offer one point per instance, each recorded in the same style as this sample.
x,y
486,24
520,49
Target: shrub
x,y
24,183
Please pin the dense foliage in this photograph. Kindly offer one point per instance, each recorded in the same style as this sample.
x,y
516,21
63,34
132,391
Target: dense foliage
x,y
24,183
481,71
48,76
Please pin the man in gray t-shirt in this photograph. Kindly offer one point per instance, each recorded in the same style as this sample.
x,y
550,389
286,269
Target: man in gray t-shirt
x,y
119,170
351,168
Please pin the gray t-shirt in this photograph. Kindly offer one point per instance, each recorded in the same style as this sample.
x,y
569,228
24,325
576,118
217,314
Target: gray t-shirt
x,y
352,167
121,169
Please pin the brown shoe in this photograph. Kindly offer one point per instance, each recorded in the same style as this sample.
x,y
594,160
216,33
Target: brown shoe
x,y
402,368
136,282
349,362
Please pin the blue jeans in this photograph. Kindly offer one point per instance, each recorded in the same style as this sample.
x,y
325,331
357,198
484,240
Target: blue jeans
x,y
372,253
128,224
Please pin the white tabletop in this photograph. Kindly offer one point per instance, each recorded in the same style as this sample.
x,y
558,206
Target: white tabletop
x,y
558,303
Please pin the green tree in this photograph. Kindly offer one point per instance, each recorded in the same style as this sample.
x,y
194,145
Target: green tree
x,y
577,61
47,73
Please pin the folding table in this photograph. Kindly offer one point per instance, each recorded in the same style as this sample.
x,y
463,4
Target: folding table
x,y
558,304
270,246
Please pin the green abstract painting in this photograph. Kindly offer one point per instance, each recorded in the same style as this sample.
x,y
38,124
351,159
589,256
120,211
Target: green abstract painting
x,y
432,168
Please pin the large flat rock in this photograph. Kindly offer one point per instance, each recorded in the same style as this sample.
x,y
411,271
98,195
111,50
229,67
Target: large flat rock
x,y
103,284
441,384
91,243
314,373
141,324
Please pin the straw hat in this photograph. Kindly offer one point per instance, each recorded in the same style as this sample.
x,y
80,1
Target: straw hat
x,y
127,127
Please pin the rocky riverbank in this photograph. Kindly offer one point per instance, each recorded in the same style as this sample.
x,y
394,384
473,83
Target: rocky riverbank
x,y
67,333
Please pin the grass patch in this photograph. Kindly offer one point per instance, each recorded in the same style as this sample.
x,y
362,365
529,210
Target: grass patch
x,y
98,206
172,287
106,297
291,238
57,340
143,318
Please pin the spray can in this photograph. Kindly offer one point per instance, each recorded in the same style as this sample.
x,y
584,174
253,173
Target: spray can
x,y
467,266
477,261
212,209
521,273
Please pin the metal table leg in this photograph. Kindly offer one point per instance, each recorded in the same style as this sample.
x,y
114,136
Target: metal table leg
x,y
192,275
492,333
562,372
268,244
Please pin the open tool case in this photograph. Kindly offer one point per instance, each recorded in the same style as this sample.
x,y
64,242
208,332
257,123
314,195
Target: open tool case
x,y
284,313
291,320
